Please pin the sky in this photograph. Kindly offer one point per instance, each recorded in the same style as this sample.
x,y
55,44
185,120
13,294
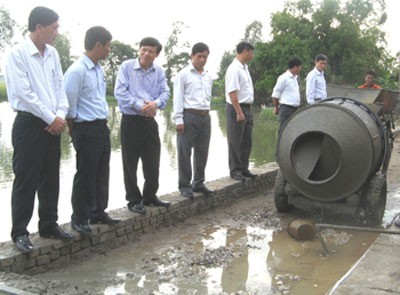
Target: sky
x,y
219,23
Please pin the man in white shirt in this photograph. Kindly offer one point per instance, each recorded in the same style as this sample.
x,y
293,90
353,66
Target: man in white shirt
x,y
35,90
191,104
286,92
239,94
315,81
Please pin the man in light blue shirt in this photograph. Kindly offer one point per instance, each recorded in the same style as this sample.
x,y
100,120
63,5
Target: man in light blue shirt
x,y
35,90
315,81
140,89
85,86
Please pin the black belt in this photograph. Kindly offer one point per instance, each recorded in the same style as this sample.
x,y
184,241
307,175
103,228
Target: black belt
x,y
289,106
94,122
245,105
198,112
25,114
138,117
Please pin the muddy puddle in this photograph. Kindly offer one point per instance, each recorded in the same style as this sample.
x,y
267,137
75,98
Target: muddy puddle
x,y
242,250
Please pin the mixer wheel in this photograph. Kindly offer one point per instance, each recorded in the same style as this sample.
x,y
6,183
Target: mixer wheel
x,y
280,198
375,201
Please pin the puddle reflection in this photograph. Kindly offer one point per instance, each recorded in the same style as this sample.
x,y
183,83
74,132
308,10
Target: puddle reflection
x,y
220,260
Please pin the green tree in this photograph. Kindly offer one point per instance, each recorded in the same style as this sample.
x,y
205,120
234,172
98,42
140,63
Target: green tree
x,y
63,46
253,32
7,25
119,52
176,52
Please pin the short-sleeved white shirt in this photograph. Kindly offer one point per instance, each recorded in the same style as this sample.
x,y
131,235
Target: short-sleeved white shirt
x,y
237,78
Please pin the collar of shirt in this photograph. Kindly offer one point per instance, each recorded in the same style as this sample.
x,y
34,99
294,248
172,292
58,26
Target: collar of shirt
x,y
88,62
137,66
33,50
239,64
318,73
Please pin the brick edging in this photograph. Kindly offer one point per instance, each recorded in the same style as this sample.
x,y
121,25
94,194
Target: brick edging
x,y
51,254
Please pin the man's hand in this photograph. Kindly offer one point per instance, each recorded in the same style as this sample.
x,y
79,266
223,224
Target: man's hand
x,y
276,110
56,127
240,117
180,128
149,109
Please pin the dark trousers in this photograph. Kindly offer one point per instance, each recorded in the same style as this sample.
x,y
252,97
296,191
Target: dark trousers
x,y
36,164
285,111
91,141
239,136
140,140
197,137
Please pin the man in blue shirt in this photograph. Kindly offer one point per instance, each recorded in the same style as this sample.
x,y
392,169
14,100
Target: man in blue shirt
x,y
315,80
35,91
140,89
85,87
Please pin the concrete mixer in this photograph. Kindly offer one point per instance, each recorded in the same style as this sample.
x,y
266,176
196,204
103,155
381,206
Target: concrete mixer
x,y
335,154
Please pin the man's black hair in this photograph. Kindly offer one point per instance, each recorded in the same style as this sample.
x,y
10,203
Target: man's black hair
x,y
96,34
41,16
322,57
150,41
370,72
200,47
243,46
294,62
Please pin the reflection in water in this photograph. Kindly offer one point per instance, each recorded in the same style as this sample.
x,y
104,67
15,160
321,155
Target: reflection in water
x,y
261,261
217,165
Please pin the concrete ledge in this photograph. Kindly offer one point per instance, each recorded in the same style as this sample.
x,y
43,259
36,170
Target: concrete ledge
x,y
50,254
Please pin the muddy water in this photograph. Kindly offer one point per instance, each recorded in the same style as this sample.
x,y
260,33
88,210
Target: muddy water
x,y
243,249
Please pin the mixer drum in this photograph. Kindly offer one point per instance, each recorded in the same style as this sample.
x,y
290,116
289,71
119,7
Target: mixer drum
x,y
328,151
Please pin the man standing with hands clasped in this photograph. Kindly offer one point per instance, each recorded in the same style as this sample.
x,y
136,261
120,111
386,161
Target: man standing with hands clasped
x,y
35,90
239,94
192,97
85,86
140,89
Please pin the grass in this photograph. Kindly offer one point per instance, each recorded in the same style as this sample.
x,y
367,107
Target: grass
x,y
3,91
266,114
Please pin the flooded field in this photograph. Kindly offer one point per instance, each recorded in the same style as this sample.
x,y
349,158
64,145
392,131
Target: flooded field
x,y
244,249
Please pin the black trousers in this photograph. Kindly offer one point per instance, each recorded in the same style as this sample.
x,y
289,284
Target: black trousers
x,y
90,189
285,111
239,136
197,137
36,165
140,140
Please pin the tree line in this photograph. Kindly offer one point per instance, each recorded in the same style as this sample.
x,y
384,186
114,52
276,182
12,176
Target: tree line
x,y
348,32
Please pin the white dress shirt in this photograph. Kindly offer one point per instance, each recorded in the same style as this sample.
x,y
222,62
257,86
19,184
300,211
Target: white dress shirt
x,y
35,82
287,90
192,90
237,78
315,86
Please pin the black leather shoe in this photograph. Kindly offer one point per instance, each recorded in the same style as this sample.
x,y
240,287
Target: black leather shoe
x,y
187,194
156,202
137,208
82,228
56,232
23,244
201,188
104,219
249,174
397,223
237,176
